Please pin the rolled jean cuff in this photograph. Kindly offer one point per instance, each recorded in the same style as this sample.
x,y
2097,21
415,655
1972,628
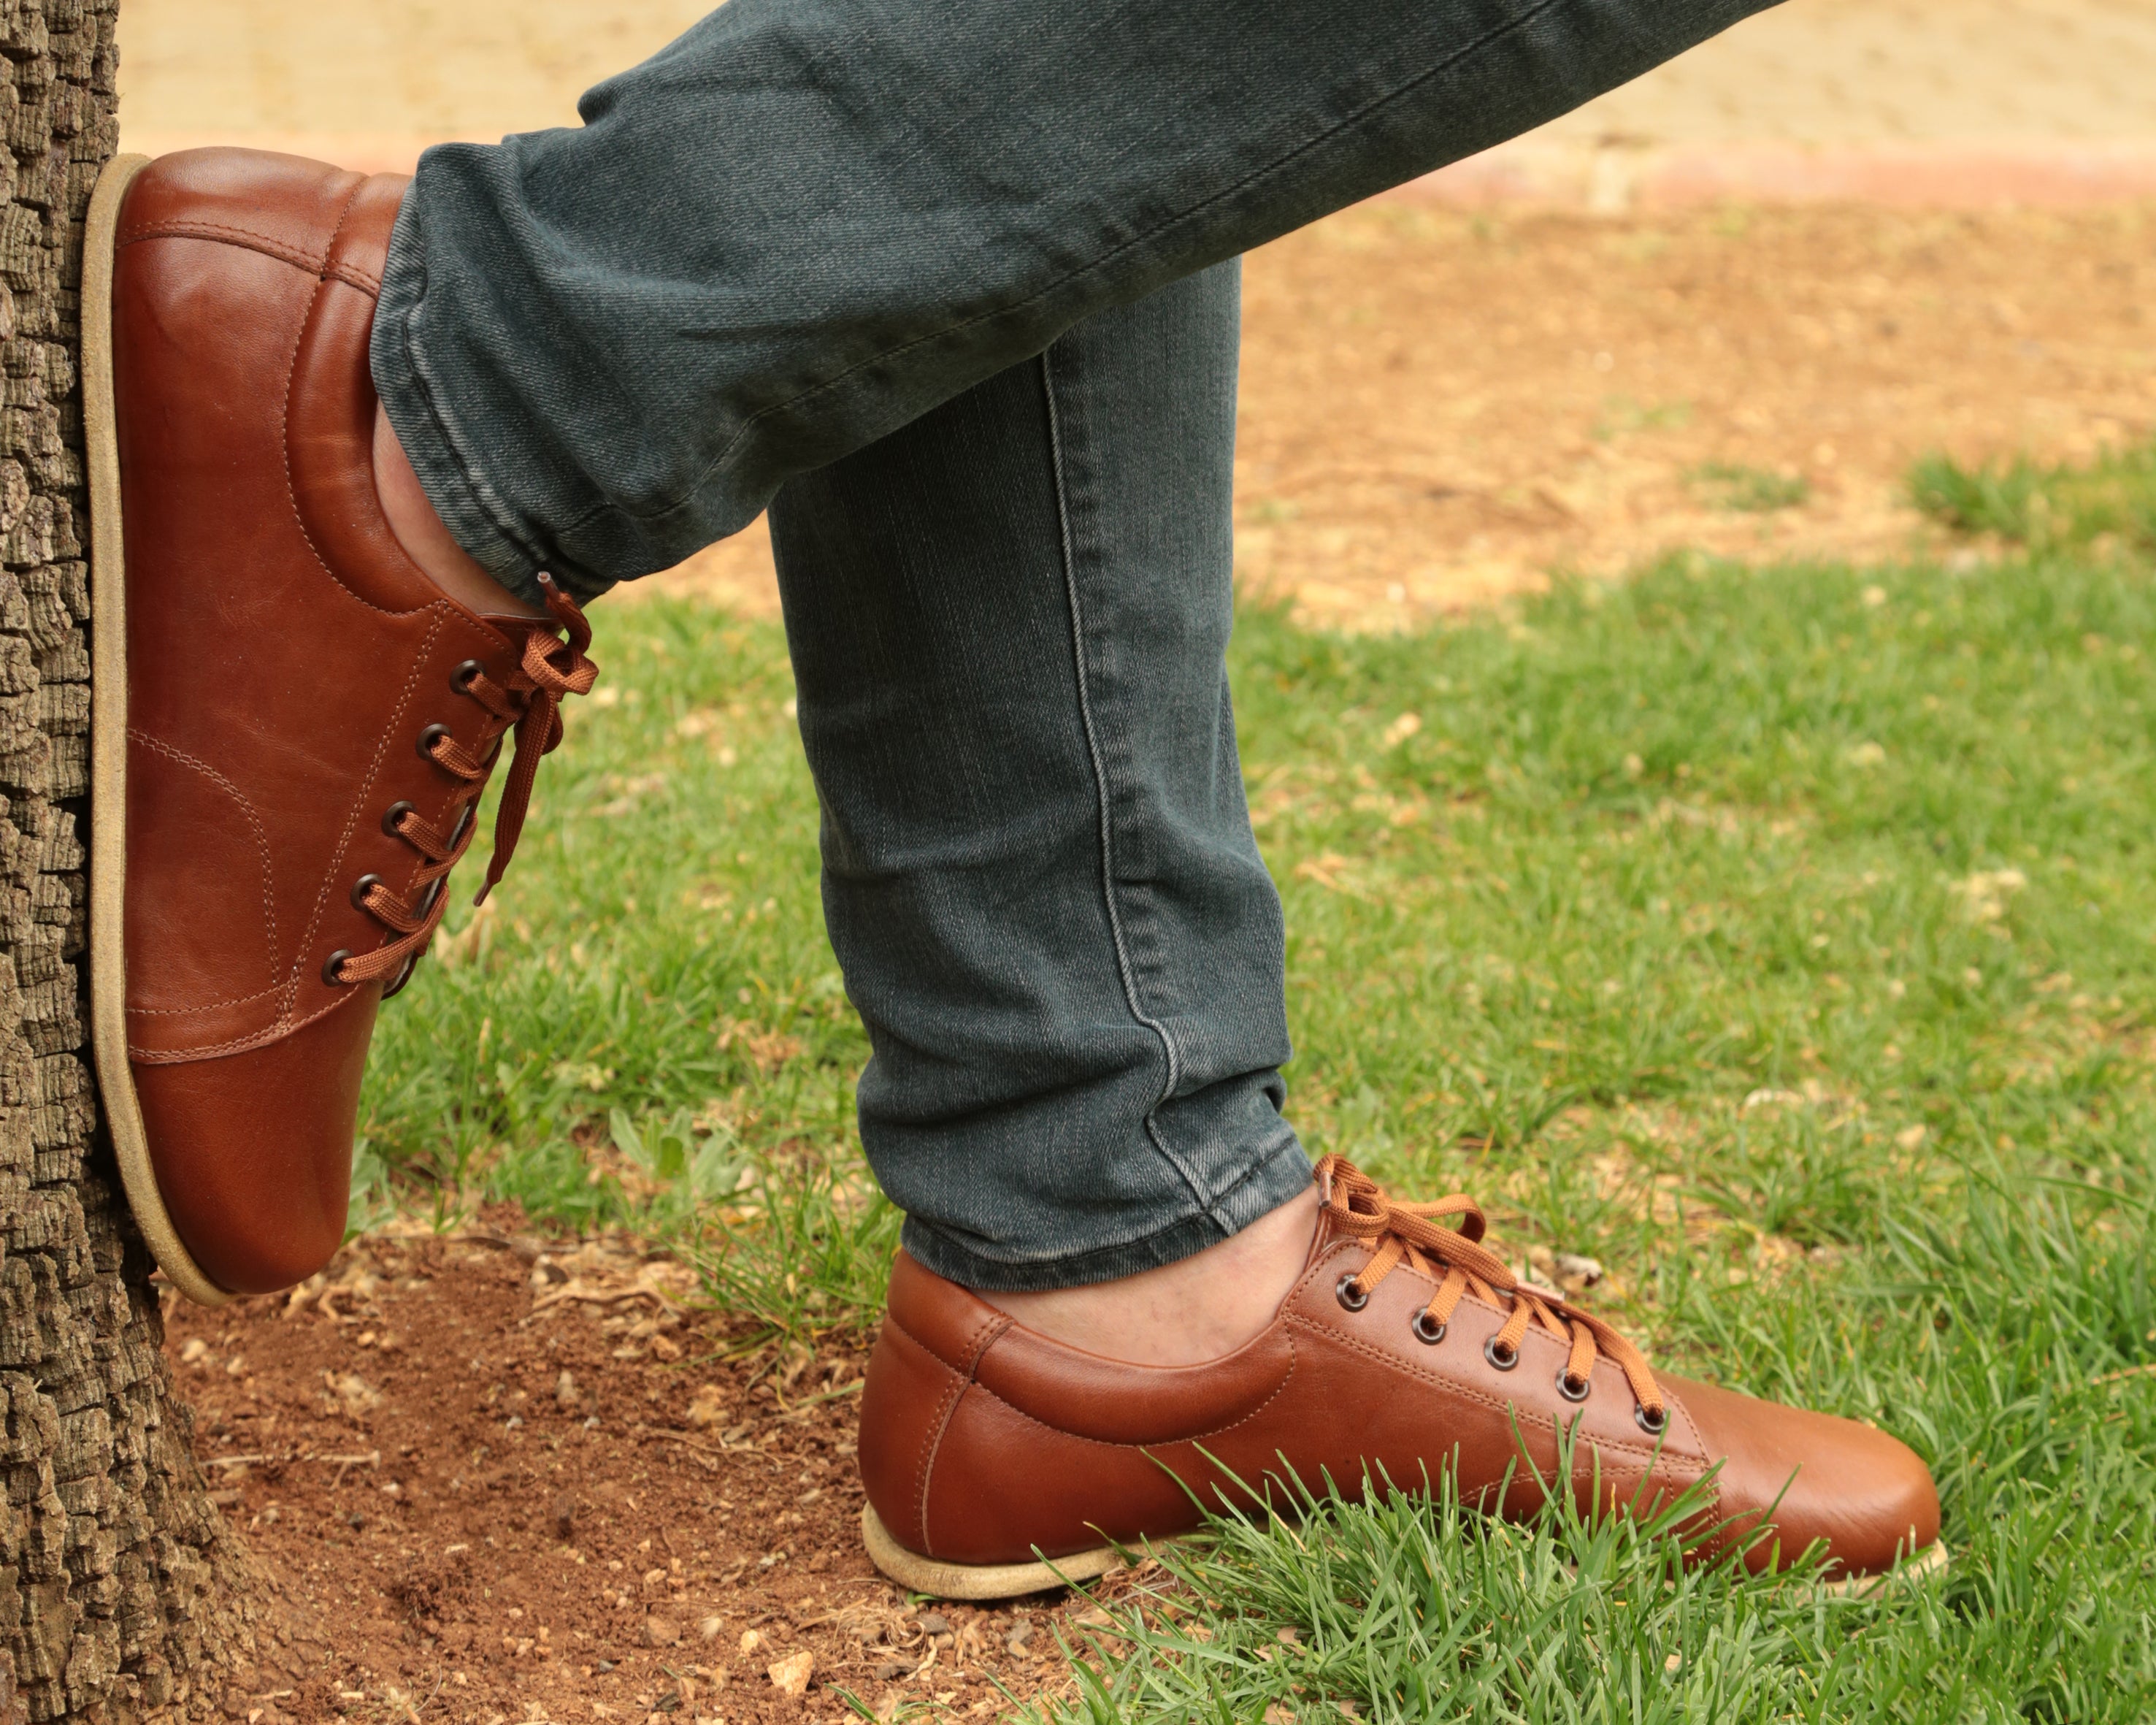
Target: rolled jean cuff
x,y
1280,1176
440,448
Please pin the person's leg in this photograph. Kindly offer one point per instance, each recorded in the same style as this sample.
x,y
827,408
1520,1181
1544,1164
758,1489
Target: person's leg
x,y
1008,622
808,221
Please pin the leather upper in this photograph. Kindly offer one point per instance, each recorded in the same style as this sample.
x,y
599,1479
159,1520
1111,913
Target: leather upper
x,y
982,1441
285,661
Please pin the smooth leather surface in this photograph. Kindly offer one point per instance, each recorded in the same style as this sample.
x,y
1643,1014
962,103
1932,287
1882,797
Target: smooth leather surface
x,y
283,657
982,1441
281,1117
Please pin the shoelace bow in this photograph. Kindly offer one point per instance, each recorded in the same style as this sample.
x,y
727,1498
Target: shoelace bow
x,y
529,704
1414,1235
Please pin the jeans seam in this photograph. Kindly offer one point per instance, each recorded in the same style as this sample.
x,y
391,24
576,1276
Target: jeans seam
x,y
1105,802
1136,242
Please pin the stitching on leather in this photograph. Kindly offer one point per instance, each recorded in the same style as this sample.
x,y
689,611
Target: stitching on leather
x,y
420,662
285,427
278,1032
1347,1249
1142,1445
247,238
231,235
253,820
933,1441
1527,1415
1272,1395
353,276
292,496
235,1000
1648,1474
984,1337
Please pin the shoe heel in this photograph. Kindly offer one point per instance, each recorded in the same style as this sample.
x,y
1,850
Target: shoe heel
x,y
976,1581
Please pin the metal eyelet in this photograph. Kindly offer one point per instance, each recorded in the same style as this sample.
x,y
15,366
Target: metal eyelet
x,y
433,734
1653,1428
331,970
465,675
1427,1330
1574,1389
1354,1299
1504,1362
395,812
361,887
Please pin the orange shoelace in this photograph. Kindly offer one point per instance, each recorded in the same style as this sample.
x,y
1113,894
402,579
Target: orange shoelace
x,y
1415,1234
529,704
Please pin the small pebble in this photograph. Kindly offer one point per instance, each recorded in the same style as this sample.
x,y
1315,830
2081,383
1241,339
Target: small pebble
x,y
790,1674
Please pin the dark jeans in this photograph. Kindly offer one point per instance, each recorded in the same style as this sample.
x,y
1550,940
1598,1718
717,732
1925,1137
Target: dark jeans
x,y
936,276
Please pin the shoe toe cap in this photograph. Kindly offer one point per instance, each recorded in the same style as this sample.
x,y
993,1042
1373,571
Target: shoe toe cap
x,y
253,1151
1815,1477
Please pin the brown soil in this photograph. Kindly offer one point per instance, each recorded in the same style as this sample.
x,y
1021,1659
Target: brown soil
x,y
508,1482
1439,409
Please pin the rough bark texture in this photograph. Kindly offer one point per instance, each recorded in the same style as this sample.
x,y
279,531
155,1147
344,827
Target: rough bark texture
x,y
121,1592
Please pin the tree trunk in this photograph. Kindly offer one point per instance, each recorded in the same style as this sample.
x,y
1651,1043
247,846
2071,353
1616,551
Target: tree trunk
x,y
120,1590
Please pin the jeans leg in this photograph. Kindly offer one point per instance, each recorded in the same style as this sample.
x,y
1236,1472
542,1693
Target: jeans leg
x,y
807,221
1008,622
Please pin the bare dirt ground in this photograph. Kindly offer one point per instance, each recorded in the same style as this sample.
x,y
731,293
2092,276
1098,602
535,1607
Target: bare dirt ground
x,y
506,1484
1439,408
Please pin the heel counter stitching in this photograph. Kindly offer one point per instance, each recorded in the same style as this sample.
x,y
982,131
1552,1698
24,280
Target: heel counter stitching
x,y
959,1380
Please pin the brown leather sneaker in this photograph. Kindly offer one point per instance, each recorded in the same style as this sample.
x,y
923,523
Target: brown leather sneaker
x,y
292,723
1405,1348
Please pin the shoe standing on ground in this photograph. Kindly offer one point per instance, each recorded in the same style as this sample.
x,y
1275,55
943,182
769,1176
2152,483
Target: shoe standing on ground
x,y
953,291
999,1461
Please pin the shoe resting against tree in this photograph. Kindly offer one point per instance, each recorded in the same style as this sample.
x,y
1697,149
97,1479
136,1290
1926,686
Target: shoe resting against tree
x,y
1405,1344
291,725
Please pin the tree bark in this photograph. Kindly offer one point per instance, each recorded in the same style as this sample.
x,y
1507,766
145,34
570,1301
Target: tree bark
x,y
121,1592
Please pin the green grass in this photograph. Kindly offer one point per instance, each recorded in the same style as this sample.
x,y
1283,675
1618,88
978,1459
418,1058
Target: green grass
x,y
1781,938
2047,506
1751,491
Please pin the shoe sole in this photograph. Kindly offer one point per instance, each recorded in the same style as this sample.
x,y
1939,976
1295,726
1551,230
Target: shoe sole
x,y
108,748
1926,1563
1007,1581
976,1581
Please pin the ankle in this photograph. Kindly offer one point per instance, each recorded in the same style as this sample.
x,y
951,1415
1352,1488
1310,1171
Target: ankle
x,y
426,541
1182,1314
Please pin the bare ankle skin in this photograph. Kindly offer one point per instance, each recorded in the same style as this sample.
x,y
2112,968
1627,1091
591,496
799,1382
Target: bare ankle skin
x,y
426,541
1185,1313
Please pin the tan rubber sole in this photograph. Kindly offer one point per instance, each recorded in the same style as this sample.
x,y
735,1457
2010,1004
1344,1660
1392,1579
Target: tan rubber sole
x,y
1008,1581
976,1581
108,748
1926,1563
